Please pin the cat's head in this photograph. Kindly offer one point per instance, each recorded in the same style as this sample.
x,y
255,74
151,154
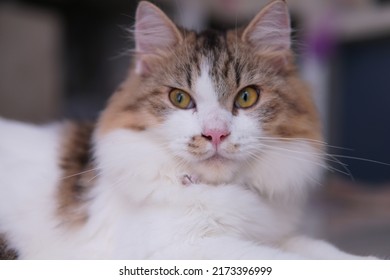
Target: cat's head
x,y
226,106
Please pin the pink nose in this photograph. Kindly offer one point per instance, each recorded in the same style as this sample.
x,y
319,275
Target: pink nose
x,y
215,136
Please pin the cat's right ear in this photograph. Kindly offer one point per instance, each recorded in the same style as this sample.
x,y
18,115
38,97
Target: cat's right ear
x,y
155,34
270,28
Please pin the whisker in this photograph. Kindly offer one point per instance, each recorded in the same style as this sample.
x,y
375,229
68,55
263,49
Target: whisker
x,y
94,177
290,150
318,155
362,159
343,165
330,157
258,157
303,139
280,150
80,173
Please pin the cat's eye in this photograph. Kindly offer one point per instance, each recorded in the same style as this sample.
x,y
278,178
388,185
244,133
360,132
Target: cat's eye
x,y
247,97
181,99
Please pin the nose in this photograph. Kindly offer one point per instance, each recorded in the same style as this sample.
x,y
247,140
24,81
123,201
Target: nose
x,y
216,136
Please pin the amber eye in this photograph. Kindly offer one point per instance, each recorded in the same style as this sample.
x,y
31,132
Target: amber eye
x,y
247,97
181,99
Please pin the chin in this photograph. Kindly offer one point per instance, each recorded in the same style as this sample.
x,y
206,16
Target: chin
x,y
216,170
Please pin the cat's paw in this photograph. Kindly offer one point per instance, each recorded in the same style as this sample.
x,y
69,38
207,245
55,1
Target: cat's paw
x,y
188,180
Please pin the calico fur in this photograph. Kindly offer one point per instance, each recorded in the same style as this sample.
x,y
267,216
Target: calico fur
x,y
6,253
147,183
78,173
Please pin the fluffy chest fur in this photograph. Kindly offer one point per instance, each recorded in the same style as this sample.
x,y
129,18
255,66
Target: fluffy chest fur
x,y
159,216
148,213
176,226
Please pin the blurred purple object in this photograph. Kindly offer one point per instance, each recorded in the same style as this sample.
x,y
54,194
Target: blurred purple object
x,y
321,40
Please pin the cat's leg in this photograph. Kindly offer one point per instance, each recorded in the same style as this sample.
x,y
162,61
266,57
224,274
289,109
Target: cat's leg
x,y
224,248
317,249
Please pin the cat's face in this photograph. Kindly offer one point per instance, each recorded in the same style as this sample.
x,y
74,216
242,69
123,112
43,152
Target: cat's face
x,y
216,102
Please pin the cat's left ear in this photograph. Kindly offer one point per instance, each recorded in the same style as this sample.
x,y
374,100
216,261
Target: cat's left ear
x,y
270,29
155,34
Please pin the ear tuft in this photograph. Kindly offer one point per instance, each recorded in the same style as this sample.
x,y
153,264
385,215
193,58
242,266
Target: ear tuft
x,y
155,33
270,29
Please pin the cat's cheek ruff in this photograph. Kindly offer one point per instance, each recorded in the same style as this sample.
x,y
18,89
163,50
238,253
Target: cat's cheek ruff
x,y
132,160
286,172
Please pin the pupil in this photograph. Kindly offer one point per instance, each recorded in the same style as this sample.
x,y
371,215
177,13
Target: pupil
x,y
245,96
179,98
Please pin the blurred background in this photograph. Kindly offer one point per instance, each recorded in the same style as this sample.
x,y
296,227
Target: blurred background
x,y
63,58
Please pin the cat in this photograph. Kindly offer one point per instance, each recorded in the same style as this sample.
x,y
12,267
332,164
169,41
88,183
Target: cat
x,y
206,151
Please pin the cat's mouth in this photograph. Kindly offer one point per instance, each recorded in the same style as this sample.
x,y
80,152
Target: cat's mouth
x,y
216,159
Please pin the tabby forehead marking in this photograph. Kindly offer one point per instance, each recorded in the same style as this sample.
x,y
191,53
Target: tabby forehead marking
x,y
212,115
204,87
214,48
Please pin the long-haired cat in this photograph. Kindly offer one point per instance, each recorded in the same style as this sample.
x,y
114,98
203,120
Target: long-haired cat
x,y
206,151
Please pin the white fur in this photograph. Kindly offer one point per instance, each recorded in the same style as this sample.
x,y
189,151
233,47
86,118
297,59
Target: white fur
x,y
210,114
285,170
29,175
138,209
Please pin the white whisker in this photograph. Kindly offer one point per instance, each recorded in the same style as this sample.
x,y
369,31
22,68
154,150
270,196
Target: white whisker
x,y
303,139
362,159
80,173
